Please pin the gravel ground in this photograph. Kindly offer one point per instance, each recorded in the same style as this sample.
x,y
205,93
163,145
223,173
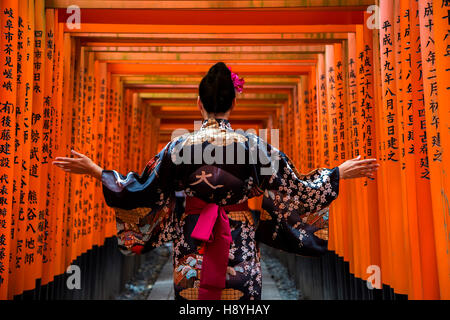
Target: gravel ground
x,y
140,286
280,275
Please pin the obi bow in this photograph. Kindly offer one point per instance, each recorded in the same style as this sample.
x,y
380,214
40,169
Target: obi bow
x,y
213,227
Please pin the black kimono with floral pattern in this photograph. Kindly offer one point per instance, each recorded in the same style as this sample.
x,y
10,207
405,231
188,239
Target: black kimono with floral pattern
x,y
294,216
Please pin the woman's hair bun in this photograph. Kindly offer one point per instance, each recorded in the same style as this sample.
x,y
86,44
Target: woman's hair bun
x,y
216,90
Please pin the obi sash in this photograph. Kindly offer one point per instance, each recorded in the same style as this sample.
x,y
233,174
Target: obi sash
x,y
213,227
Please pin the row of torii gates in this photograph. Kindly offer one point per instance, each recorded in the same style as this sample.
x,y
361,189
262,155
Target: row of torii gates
x,y
113,80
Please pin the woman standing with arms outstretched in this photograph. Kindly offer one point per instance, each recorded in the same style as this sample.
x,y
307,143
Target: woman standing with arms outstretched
x,y
216,252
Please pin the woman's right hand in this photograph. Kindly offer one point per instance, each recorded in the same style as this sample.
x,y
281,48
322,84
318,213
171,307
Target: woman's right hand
x,y
357,168
81,164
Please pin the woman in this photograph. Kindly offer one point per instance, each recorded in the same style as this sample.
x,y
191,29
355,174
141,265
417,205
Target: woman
x,y
216,253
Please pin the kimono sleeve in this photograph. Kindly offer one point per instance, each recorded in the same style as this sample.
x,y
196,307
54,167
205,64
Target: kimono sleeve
x,y
142,204
295,207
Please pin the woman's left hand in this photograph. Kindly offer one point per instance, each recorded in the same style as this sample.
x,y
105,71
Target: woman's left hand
x,y
81,164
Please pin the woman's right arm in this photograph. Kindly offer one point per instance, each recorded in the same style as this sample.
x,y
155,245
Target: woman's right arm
x,y
357,168
295,206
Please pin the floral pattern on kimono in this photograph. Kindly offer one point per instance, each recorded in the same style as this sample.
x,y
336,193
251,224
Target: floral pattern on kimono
x,y
294,216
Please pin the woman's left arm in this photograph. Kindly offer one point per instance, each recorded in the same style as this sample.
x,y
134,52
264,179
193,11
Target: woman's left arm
x,y
142,202
81,164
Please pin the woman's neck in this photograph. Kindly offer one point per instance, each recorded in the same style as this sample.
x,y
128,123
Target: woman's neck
x,y
216,116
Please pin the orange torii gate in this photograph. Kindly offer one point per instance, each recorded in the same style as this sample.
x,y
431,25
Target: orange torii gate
x,y
334,87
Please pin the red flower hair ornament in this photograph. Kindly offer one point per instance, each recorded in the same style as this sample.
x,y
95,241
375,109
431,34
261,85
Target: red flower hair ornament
x,y
238,82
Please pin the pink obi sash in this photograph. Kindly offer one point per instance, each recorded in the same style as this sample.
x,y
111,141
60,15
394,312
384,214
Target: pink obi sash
x,y
212,227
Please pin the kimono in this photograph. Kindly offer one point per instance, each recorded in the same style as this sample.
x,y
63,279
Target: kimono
x,y
216,238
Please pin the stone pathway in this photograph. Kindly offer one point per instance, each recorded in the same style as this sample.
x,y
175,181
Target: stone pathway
x,y
269,287
163,287
140,286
